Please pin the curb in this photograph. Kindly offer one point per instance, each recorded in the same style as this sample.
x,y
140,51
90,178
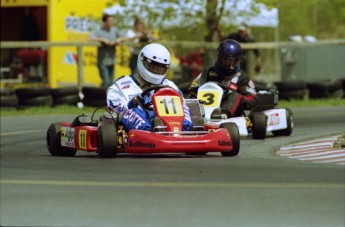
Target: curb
x,y
316,151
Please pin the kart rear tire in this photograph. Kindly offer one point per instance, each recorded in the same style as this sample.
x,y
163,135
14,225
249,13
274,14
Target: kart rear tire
x,y
259,127
235,138
53,139
107,141
288,130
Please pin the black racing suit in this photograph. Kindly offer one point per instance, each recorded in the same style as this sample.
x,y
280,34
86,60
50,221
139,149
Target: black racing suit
x,y
243,93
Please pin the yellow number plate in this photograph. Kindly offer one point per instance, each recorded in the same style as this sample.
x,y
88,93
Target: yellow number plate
x,y
82,139
169,106
209,98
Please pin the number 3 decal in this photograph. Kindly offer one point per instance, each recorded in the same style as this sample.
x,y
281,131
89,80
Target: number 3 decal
x,y
209,98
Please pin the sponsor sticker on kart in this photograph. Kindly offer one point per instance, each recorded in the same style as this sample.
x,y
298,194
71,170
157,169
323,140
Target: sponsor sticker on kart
x,y
209,98
274,119
67,137
169,106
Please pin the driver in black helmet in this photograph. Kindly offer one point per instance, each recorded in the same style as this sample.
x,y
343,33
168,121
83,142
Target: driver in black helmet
x,y
227,71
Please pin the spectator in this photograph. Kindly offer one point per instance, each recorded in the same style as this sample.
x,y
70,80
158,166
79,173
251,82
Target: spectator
x,y
137,35
227,71
124,96
192,63
243,36
109,37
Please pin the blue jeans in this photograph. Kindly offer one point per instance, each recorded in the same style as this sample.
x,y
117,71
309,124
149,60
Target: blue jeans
x,y
133,63
107,74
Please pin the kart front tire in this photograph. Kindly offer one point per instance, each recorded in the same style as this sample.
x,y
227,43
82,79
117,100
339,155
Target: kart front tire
x,y
289,122
235,138
107,141
259,127
53,139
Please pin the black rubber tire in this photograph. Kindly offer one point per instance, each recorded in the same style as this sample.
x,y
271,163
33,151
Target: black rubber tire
x,y
235,138
289,95
263,86
325,89
94,92
53,139
107,141
95,102
290,124
37,101
64,91
259,121
8,101
25,93
290,85
4,91
67,100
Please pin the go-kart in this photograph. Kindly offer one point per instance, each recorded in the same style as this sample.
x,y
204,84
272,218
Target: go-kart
x,y
263,117
108,137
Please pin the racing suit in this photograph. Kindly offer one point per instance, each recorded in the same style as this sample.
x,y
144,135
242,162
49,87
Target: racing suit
x,y
120,99
243,93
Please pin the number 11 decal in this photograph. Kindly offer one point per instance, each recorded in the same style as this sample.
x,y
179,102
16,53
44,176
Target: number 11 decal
x,y
169,106
172,102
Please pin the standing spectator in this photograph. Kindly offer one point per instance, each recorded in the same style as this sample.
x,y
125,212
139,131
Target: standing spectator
x,y
243,36
137,35
192,64
109,37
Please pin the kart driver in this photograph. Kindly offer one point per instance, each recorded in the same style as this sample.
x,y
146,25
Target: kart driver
x,y
227,71
124,96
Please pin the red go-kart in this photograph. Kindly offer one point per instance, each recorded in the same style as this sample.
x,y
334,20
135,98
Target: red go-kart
x,y
108,137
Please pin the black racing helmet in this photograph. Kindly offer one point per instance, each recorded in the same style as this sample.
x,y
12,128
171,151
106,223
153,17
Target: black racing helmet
x,y
229,55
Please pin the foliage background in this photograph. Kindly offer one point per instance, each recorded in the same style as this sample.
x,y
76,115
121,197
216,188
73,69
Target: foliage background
x,y
323,19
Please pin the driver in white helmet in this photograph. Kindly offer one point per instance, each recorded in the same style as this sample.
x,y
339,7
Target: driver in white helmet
x,y
124,95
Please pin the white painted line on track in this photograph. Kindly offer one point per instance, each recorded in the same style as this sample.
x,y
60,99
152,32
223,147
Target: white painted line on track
x,y
21,132
174,184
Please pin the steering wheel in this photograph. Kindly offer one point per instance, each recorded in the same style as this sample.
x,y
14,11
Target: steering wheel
x,y
147,106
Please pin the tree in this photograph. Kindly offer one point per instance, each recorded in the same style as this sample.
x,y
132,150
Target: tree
x,y
186,19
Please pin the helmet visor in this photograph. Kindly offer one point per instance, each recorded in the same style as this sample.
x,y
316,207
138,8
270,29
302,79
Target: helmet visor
x,y
229,63
155,67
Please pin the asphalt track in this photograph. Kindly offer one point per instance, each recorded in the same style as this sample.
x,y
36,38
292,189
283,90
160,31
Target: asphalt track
x,y
257,188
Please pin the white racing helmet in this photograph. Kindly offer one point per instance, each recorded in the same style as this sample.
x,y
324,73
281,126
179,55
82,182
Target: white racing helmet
x,y
153,63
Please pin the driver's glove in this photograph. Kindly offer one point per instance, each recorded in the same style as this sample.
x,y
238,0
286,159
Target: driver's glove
x,y
134,102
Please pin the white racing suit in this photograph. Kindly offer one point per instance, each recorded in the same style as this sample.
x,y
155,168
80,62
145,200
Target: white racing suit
x,y
119,99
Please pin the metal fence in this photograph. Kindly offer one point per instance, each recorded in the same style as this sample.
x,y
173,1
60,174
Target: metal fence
x,y
279,49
